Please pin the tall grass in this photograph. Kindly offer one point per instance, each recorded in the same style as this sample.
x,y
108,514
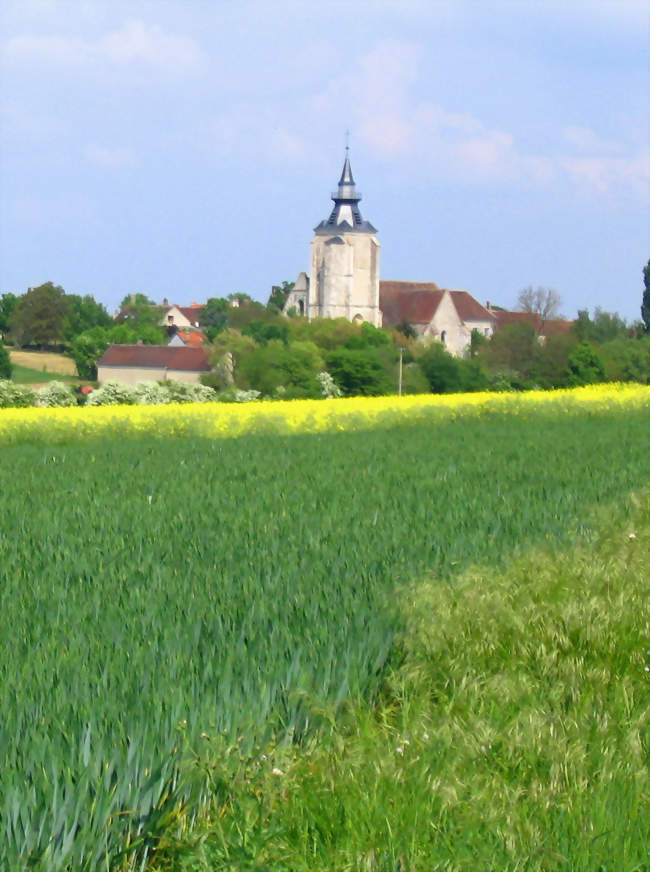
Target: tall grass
x,y
153,592
514,734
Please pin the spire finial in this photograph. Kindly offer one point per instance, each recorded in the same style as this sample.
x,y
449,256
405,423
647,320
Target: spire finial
x,y
347,141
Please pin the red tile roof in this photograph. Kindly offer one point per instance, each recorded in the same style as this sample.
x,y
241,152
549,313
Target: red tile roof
x,y
192,313
411,302
159,356
192,337
470,309
552,327
417,303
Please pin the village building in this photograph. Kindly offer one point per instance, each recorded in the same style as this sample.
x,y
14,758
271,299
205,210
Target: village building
x,y
130,364
345,282
182,317
193,338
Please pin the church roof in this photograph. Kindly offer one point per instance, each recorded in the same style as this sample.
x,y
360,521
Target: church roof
x,y
345,217
417,303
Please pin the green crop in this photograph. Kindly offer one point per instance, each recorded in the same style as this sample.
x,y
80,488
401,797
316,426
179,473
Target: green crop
x,y
160,596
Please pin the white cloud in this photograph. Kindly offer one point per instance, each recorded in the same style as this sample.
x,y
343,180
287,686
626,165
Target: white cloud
x,y
109,157
135,43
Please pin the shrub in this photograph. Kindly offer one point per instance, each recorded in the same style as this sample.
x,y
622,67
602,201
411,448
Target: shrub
x,y
16,396
55,394
5,363
328,386
113,394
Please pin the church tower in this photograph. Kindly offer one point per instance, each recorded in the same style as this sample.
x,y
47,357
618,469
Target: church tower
x,y
344,280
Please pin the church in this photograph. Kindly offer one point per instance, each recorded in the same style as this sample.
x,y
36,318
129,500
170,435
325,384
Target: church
x,y
344,282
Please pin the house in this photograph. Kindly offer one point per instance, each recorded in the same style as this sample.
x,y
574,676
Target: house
x,y
193,338
130,364
182,317
433,312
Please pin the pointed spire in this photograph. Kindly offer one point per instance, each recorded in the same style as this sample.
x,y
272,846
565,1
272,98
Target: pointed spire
x,y
345,215
346,175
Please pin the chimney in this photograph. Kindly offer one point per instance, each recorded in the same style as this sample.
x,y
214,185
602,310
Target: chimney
x,y
488,306
165,301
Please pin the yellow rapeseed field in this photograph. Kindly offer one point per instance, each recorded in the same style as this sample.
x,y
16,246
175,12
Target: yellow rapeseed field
x,y
299,416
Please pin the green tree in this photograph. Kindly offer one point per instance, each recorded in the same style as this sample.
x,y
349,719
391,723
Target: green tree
x,y
83,313
604,327
627,359
145,318
7,305
291,367
360,371
136,300
278,298
586,366
39,316
645,303
552,360
214,316
513,348
5,363
441,369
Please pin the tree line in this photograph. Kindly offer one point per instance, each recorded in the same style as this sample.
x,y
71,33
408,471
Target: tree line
x,y
252,347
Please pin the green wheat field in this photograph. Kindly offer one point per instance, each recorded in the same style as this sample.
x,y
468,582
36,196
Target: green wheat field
x,y
409,648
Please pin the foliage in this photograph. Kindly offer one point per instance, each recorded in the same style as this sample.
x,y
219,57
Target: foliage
x,y
513,347
329,389
279,294
39,316
113,394
627,359
645,303
273,365
144,319
136,300
604,327
7,305
267,331
359,372
224,600
214,316
82,314
5,362
551,361
543,301
13,396
55,394
586,366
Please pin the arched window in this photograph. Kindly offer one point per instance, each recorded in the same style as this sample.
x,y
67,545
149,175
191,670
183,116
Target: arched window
x,y
358,319
443,337
301,307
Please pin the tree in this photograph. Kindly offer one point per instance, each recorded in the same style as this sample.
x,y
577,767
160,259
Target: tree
x,y
645,304
83,313
7,305
136,300
586,366
513,348
5,363
279,294
215,315
39,316
360,371
542,301
604,327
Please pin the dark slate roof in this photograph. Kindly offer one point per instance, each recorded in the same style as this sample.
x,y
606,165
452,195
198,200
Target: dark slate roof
x,y
346,216
158,356
417,303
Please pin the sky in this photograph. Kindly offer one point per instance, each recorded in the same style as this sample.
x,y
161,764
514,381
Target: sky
x,y
186,149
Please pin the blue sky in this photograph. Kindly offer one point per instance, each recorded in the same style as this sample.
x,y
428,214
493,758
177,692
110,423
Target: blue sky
x,y
187,149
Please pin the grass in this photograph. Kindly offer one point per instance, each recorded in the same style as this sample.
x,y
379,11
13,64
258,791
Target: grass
x,y
512,733
22,375
44,362
177,608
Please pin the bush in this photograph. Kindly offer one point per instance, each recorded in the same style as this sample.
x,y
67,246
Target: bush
x,y
5,362
359,372
113,394
182,392
55,394
16,396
